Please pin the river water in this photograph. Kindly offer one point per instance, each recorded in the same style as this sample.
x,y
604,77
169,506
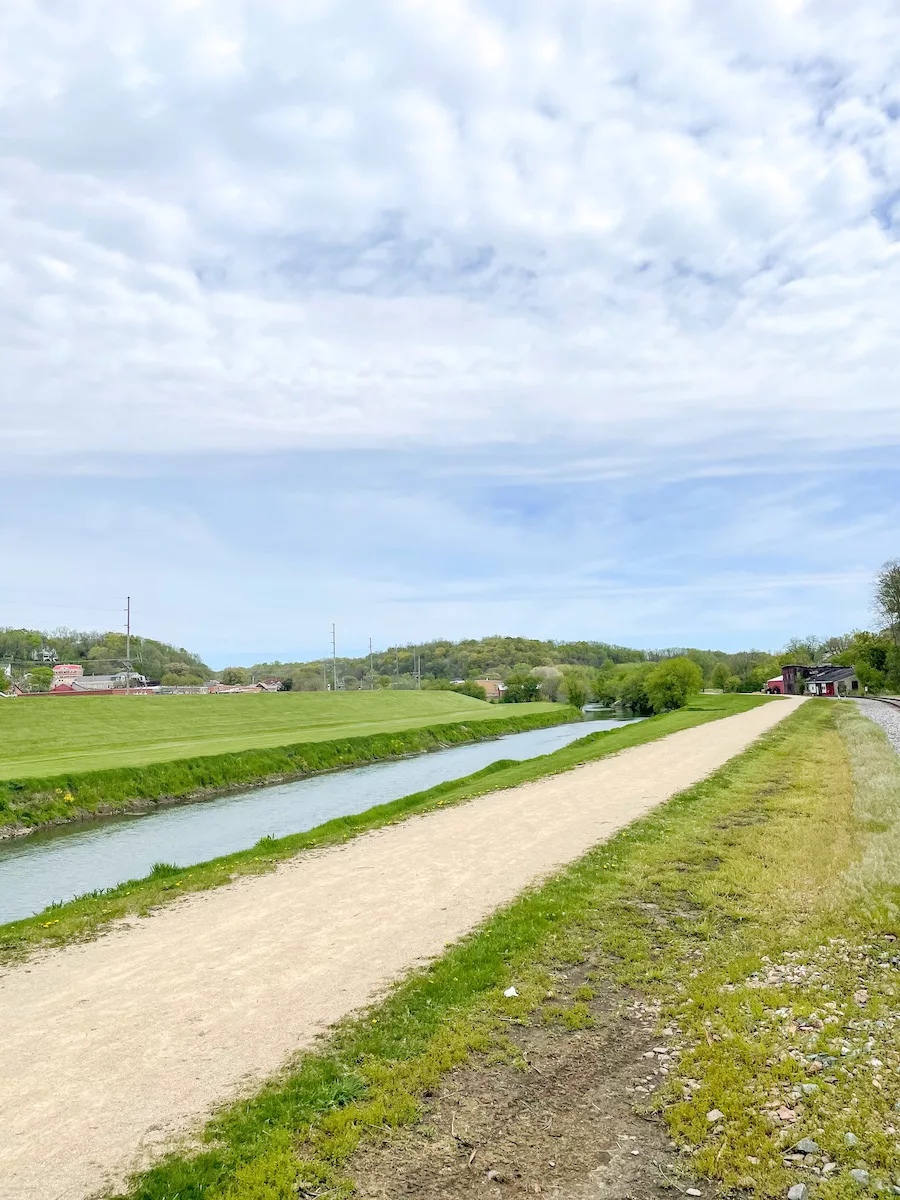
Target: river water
x,y
59,864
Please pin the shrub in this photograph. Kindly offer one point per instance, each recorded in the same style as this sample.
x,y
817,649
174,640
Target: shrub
x,y
173,679
521,688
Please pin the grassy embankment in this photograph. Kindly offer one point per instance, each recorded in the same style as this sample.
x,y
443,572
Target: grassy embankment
x,y
112,753
756,913
88,915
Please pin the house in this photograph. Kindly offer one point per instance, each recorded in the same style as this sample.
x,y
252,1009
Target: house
x,y
833,681
775,687
493,688
64,674
826,680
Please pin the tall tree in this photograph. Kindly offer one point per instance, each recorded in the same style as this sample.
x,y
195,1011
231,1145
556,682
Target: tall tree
x,y
887,597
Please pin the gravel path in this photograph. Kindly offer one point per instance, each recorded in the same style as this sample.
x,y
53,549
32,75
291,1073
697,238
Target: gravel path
x,y
886,716
110,1048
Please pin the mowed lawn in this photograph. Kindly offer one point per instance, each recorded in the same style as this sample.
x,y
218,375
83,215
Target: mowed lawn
x,y
45,735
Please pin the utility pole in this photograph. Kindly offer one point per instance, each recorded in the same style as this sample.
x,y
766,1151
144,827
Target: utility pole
x,y
324,677
371,672
333,660
127,645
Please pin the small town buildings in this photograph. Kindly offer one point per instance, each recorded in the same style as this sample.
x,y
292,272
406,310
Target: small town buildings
x,y
833,681
826,680
108,683
70,677
493,688
65,673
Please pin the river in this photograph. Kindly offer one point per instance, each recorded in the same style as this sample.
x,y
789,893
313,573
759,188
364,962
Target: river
x,y
59,864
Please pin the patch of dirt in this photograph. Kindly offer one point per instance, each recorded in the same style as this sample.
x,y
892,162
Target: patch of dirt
x,y
567,1125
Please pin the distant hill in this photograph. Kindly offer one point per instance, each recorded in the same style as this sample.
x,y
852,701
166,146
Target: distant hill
x,y
99,653
442,660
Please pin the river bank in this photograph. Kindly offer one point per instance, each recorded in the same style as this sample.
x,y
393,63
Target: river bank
x,y
58,864
28,805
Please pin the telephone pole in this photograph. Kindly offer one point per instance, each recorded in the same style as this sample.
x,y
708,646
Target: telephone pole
x,y
334,686
127,645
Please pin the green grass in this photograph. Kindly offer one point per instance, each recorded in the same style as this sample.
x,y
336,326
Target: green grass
x,y
89,915
31,802
46,735
745,907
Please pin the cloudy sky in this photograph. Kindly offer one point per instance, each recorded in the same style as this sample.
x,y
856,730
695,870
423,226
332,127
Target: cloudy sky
x,y
446,318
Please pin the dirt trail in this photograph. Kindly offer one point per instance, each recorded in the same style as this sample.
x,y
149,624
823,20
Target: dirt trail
x,y
111,1047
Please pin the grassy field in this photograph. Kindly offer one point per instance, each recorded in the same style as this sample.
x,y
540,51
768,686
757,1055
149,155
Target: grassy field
x,y
709,1000
44,735
85,917
33,801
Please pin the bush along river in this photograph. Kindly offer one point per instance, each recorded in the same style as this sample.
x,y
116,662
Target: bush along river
x,y
59,864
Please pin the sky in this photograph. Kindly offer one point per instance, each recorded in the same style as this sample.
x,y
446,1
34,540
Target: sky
x,y
446,319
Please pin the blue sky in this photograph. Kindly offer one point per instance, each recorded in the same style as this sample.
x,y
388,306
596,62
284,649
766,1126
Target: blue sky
x,y
572,320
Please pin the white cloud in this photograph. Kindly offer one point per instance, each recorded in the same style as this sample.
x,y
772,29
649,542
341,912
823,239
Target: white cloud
x,y
252,226
628,249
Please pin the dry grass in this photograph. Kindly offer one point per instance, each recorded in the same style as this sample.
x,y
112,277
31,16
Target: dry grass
x,y
875,767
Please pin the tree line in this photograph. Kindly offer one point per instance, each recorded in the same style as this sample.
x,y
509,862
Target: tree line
x,y
531,669
604,672
32,653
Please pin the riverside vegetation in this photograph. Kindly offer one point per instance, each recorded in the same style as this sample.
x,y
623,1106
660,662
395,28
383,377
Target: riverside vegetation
x,y
90,914
727,968
141,739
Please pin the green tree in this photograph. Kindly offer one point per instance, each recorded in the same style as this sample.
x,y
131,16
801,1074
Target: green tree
x,y
870,679
522,688
550,679
608,683
180,668
892,673
177,679
887,597
804,652
671,682
577,686
234,676
632,693
41,679
757,679
720,675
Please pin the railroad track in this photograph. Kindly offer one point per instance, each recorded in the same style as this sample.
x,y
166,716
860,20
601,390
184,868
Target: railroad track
x,y
893,701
